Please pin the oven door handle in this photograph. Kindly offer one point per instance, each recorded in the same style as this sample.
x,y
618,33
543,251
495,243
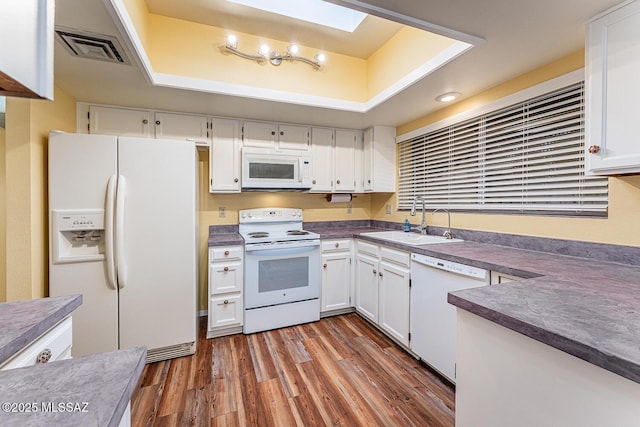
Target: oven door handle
x,y
282,252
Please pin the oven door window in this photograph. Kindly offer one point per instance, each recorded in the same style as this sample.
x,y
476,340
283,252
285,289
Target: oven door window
x,y
280,274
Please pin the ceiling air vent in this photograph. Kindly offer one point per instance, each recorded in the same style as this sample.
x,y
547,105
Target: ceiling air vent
x,y
91,46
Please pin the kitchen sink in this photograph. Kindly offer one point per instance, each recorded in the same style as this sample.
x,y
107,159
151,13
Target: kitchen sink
x,y
412,239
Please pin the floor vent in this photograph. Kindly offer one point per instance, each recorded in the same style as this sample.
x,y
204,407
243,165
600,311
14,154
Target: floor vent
x,y
91,46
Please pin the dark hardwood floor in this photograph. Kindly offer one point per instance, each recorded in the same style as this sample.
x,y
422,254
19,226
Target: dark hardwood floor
x,y
338,371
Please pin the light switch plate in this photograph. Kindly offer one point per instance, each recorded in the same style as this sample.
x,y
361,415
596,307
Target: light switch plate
x,y
222,212
388,209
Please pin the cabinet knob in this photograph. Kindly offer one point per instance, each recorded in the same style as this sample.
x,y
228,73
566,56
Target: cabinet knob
x,y
235,179
157,122
145,121
313,182
324,265
337,245
374,272
226,269
226,301
380,274
44,356
338,181
273,132
368,181
281,132
226,253
594,149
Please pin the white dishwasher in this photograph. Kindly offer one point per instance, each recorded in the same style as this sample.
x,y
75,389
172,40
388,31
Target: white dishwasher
x,y
433,320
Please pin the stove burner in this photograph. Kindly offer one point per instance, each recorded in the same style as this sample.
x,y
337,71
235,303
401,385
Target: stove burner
x,y
297,233
258,234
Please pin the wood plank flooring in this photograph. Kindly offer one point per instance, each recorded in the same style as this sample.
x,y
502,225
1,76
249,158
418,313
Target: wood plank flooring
x,y
338,371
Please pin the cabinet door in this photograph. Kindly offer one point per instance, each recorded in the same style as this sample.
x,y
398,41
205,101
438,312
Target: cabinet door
x,y
336,281
358,163
182,126
119,121
612,89
259,134
344,156
225,311
394,301
224,157
225,277
293,137
322,159
379,153
367,287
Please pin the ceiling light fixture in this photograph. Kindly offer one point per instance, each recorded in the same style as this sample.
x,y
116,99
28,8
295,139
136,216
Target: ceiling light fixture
x,y
274,57
448,97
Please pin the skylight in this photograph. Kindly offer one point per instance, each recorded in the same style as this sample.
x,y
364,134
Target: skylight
x,y
315,11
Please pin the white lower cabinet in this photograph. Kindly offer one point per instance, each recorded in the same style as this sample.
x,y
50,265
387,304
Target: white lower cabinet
x,y
226,305
336,276
55,344
382,288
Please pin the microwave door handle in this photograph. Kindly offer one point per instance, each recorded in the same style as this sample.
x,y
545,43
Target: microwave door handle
x,y
300,170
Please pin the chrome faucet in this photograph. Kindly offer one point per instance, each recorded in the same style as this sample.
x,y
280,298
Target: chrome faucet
x,y
422,228
447,232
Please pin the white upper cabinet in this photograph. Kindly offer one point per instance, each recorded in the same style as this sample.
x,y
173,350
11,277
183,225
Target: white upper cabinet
x,y
322,145
120,121
344,155
224,156
26,49
612,90
182,126
380,159
274,135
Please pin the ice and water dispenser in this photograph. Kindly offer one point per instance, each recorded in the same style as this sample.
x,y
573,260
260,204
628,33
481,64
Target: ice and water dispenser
x,y
78,235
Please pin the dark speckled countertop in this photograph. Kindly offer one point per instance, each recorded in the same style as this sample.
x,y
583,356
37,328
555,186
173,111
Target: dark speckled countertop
x,y
584,307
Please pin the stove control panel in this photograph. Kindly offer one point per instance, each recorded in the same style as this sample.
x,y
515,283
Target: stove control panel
x,y
270,215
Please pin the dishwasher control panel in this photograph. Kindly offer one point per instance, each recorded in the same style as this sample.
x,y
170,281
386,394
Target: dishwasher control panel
x,y
454,267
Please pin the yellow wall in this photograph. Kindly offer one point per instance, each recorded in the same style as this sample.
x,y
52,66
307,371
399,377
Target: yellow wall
x,y
621,226
407,50
27,127
3,221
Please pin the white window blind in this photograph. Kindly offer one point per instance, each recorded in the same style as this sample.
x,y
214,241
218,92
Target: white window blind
x,y
526,158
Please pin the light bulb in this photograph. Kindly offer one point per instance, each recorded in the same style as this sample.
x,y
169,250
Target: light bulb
x,y
448,97
321,58
232,41
293,49
264,50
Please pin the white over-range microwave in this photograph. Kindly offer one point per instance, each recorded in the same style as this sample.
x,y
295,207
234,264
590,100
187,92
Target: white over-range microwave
x,y
268,169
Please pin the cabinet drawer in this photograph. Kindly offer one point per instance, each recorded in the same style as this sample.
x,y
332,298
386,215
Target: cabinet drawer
x,y
58,340
368,248
336,245
398,257
225,277
228,252
225,311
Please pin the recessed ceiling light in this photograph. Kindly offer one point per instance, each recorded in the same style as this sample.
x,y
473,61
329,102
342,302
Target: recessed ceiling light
x,y
448,97
315,11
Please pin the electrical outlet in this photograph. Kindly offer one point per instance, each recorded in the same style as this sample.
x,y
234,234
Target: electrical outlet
x,y
222,212
349,209
388,209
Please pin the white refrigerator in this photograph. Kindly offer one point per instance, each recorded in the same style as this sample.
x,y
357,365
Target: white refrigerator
x,y
123,233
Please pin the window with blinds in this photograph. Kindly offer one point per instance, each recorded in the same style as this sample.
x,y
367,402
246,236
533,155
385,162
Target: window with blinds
x,y
526,158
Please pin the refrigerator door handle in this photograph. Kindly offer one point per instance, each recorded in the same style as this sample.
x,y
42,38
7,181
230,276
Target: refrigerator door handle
x,y
121,195
108,232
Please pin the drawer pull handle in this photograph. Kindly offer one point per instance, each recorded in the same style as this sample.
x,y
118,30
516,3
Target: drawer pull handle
x,y
44,356
226,269
337,245
594,149
324,265
226,301
226,253
338,182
